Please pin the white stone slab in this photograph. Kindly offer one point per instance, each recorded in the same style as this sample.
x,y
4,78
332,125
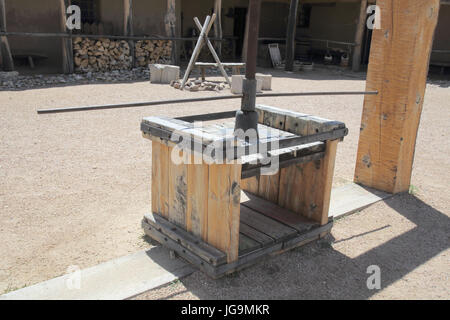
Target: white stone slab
x,y
163,73
266,80
237,83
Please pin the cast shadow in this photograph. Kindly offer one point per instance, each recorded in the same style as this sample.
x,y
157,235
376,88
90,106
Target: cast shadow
x,y
317,271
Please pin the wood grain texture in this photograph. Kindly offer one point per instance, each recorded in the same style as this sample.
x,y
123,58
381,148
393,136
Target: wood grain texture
x,y
398,68
160,174
178,189
251,185
224,208
197,199
269,184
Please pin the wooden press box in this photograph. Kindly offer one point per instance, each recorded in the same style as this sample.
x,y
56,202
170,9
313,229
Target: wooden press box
x,y
224,216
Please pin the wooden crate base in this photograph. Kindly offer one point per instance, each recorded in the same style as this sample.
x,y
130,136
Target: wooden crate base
x,y
265,230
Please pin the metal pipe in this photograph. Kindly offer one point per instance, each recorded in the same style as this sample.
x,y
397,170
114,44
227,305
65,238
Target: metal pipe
x,y
202,99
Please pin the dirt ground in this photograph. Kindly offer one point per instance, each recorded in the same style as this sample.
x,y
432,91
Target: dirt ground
x,y
74,187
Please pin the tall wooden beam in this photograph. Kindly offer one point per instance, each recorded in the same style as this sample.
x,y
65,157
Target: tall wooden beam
x,y
170,25
218,25
67,49
398,68
356,61
244,45
5,51
128,27
290,36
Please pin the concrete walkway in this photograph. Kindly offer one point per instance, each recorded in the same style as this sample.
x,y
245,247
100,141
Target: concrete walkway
x,y
117,279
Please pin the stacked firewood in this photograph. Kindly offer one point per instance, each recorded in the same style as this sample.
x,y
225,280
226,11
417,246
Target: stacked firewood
x,y
106,55
101,55
153,51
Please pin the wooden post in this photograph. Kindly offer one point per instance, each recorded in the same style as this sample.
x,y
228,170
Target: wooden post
x,y
356,61
128,27
170,25
67,48
398,68
5,52
290,37
218,25
244,46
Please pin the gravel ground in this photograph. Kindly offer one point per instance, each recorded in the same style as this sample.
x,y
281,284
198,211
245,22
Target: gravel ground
x,y
74,187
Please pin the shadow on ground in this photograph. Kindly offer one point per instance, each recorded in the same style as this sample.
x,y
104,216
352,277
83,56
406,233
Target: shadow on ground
x,y
317,271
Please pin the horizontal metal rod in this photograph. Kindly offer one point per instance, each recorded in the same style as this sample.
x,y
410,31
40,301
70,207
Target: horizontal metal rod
x,y
202,99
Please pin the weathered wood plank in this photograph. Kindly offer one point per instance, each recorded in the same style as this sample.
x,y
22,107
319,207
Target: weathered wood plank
x,y
196,245
160,174
251,184
300,122
182,251
156,177
197,205
255,235
319,176
247,244
265,224
224,208
248,256
269,184
178,189
281,215
390,119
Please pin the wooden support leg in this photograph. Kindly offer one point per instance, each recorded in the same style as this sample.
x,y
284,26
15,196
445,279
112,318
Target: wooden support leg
x,y
306,188
160,174
224,199
398,68
200,198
